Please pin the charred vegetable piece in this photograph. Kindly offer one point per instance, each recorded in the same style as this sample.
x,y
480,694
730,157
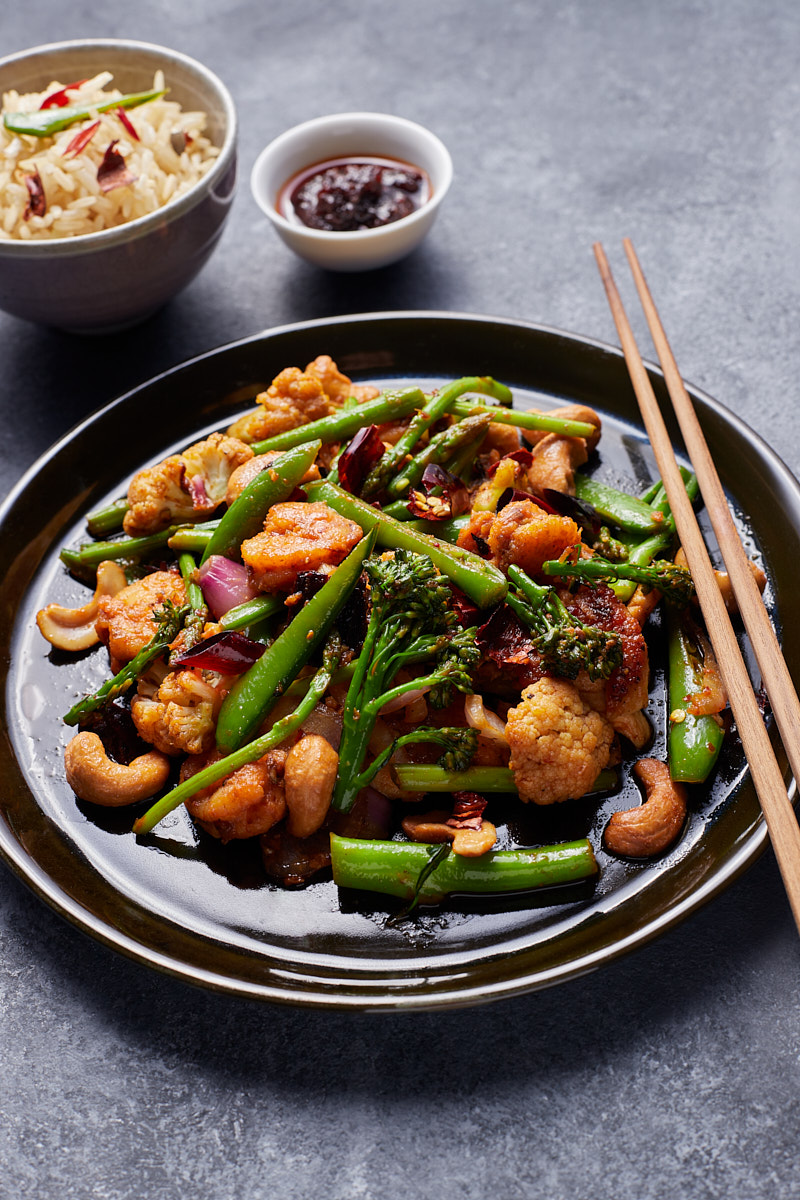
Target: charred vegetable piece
x,y
48,121
254,694
394,868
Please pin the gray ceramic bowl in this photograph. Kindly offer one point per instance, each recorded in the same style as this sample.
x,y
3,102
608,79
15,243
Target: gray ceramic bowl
x,y
103,281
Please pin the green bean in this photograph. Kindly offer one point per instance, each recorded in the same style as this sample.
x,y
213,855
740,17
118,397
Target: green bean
x,y
435,407
245,516
47,121
251,611
107,519
694,742
254,693
480,580
525,419
341,425
394,868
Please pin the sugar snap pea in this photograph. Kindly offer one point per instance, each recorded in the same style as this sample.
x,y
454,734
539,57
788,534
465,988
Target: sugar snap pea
x,y
694,742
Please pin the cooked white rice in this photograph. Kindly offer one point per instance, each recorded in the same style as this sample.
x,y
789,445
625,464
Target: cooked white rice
x,y
75,202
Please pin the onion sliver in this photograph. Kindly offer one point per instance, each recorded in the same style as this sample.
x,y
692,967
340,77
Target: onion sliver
x,y
402,701
225,584
483,719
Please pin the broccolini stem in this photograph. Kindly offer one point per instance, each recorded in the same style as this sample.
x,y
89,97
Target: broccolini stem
x,y
674,582
420,777
394,868
170,619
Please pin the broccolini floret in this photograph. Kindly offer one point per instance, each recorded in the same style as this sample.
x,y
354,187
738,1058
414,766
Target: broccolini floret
x,y
567,645
412,623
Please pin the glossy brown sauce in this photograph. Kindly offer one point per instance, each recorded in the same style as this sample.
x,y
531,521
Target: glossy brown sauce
x,y
342,195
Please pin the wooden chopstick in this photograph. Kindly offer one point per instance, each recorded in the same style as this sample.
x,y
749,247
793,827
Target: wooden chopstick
x,y
772,792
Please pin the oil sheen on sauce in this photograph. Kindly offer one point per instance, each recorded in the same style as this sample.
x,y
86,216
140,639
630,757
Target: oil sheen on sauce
x,y
342,195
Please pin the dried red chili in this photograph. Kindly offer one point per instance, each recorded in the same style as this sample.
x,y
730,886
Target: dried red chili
x,y
112,172
81,140
37,203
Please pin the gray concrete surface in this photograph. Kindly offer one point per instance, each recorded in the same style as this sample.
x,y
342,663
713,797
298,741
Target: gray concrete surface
x,y
672,1073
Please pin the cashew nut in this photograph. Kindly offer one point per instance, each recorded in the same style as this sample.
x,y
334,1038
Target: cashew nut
x,y
652,826
433,827
309,776
724,580
94,777
74,628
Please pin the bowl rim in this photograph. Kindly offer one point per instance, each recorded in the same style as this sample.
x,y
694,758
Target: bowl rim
x,y
139,226
340,237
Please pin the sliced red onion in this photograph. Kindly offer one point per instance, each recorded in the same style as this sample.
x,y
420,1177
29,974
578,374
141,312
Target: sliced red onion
x,y
225,584
401,701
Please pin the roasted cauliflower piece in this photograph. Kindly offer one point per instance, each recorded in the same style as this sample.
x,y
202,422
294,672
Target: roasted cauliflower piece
x,y
526,535
184,487
559,745
179,717
246,804
297,537
297,397
125,622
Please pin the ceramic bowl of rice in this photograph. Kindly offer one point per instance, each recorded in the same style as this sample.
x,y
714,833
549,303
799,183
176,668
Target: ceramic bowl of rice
x,y
117,173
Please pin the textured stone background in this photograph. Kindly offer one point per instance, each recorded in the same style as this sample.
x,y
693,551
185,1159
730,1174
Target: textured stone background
x,y
673,1073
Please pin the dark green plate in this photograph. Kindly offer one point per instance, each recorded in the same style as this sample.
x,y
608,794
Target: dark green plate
x,y
205,913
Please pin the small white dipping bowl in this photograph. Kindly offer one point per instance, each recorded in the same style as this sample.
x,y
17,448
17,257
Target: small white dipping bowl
x,y
99,282
350,135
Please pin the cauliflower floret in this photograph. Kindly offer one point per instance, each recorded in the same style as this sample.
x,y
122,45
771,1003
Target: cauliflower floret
x,y
184,486
559,745
298,537
180,718
125,622
248,803
526,535
297,397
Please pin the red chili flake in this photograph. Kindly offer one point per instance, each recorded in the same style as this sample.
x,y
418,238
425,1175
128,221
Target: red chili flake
x,y
112,172
468,811
465,610
81,140
357,460
60,99
126,121
504,639
229,653
37,204
523,457
444,495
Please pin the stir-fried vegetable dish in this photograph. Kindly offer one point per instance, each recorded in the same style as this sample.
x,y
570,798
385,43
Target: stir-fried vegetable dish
x,y
354,623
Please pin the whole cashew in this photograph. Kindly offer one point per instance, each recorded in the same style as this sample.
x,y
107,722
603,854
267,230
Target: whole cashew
x,y
74,628
433,827
654,825
94,777
309,776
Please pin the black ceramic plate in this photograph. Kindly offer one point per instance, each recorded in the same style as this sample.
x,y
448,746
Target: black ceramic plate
x,y
205,913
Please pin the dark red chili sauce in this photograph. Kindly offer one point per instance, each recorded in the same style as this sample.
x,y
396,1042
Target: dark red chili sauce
x,y
342,195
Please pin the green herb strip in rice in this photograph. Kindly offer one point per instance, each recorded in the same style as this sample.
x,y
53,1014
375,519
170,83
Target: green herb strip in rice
x,y
85,179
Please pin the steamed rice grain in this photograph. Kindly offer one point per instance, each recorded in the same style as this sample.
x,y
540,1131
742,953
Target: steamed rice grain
x,y
75,202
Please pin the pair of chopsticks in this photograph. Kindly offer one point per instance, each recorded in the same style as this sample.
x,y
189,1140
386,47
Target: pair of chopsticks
x,y
772,792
